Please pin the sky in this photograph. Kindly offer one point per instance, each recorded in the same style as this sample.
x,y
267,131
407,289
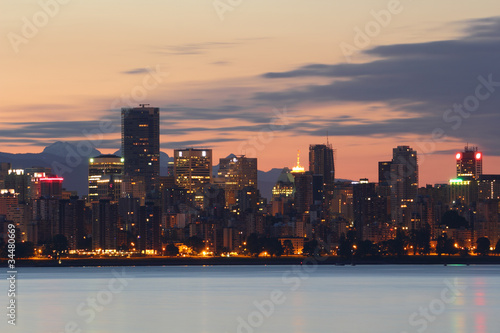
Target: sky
x,y
258,77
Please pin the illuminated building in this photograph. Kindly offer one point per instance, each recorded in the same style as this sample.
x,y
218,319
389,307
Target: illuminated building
x,y
237,173
141,148
17,180
469,163
404,184
489,187
105,177
298,168
285,185
51,187
463,191
193,170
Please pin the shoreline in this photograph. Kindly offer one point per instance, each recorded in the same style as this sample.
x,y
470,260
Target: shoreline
x,y
239,261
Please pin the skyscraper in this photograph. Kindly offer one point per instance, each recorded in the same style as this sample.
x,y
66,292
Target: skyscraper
x,y
404,184
141,146
237,173
193,170
321,162
469,163
105,177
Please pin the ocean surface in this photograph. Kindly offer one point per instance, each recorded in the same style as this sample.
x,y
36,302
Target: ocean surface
x,y
272,299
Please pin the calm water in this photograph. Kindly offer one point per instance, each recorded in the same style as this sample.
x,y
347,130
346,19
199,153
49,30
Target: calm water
x,y
257,299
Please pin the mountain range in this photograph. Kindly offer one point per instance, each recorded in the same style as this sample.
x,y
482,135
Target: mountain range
x,y
70,161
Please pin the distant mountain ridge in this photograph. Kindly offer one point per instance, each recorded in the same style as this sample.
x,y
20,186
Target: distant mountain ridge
x,y
70,160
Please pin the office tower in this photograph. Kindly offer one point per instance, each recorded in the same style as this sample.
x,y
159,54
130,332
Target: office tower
x,y
72,221
404,184
193,170
17,180
364,201
34,175
469,163
237,173
149,236
321,163
106,223
489,187
105,177
303,192
285,185
51,187
141,148
4,171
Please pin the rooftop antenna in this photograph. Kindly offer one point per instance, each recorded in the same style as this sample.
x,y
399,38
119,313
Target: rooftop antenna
x,y
327,143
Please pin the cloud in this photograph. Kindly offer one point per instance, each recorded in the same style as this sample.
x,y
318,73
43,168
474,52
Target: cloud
x,y
136,71
194,143
421,80
195,48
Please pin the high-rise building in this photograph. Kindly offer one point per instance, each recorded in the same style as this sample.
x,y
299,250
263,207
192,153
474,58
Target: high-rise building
x,y
321,163
404,184
4,171
51,187
105,177
193,170
469,163
141,147
237,173
303,192
285,185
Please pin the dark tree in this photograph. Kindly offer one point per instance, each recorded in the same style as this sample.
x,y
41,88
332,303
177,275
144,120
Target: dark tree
x,y
310,248
483,246
273,246
420,240
195,243
345,247
453,220
497,247
254,246
171,250
288,247
59,245
25,250
366,248
446,245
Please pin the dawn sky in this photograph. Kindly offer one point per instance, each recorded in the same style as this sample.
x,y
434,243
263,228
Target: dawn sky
x,y
226,74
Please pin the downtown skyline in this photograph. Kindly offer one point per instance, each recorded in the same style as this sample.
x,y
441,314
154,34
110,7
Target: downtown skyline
x,y
218,89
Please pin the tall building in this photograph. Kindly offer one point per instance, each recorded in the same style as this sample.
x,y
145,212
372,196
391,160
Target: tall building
x,y
469,163
141,147
105,177
51,187
321,162
303,192
4,171
285,185
364,201
404,184
237,173
193,170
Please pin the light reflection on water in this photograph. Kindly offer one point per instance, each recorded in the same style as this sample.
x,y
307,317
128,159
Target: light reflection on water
x,y
219,298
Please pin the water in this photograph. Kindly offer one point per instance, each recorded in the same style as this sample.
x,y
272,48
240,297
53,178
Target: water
x,y
269,299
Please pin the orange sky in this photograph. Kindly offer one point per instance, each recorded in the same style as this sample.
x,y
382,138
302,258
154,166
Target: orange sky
x,y
77,63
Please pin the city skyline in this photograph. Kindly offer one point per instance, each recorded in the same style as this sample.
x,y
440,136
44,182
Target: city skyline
x,y
225,88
